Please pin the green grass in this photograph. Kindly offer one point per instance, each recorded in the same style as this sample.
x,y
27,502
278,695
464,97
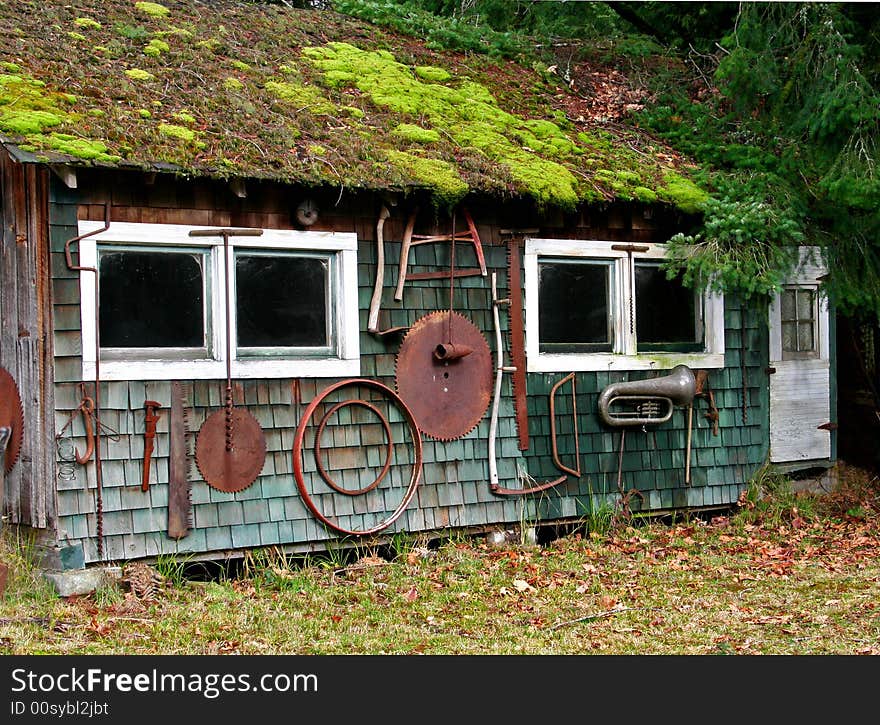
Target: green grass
x,y
785,573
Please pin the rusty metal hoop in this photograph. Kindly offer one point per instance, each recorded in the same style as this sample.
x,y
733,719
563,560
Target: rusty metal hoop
x,y
385,468
298,446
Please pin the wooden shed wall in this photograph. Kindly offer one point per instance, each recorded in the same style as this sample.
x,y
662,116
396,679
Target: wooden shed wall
x,y
26,337
454,490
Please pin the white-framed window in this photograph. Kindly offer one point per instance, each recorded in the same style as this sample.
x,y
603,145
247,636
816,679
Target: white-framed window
x,y
600,305
161,295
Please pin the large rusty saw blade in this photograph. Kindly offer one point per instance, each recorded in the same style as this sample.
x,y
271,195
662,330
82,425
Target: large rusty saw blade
x,y
444,374
517,342
179,487
11,416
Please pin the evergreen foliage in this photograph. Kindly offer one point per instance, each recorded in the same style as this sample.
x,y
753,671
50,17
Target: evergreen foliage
x,y
777,102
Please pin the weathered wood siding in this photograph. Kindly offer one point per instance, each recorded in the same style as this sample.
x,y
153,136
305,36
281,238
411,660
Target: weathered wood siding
x,y
454,491
26,338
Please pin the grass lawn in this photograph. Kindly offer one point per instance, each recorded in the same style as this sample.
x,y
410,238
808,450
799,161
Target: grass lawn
x,y
782,573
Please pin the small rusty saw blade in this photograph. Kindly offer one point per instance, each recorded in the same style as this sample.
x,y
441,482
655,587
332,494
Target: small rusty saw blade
x,y
230,449
179,491
11,416
444,374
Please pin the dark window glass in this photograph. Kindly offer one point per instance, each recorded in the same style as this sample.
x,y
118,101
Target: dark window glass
x,y
281,301
666,311
573,306
151,299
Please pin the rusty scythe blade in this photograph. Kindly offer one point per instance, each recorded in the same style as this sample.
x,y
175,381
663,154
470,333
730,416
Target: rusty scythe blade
x,y
517,343
447,397
11,416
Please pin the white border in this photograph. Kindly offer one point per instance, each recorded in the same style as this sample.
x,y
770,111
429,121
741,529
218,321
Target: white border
x,y
626,357
345,363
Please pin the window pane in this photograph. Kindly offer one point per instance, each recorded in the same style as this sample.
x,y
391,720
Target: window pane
x,y
573,303
805,336
281,301
789,337
787,299
805,304
665,309
151,299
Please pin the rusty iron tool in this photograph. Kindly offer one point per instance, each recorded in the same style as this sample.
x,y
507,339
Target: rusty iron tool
x,y
629,249
12,417
179,494
99,467
151,417
411,240
87,408
447,397
500,369
704,391
299,437
231,446
576,471
517,343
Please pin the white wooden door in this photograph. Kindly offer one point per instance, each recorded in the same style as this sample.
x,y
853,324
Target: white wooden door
x,y
800,389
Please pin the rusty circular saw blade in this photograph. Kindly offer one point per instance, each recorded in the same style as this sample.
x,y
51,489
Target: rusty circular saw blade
x,y
447,398
236,469
11,416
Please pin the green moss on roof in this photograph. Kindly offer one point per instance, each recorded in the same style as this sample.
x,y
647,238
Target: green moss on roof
x,y
415,134
175,131
139,74
154,10
439,175
301,96
156,47
87,23
306,80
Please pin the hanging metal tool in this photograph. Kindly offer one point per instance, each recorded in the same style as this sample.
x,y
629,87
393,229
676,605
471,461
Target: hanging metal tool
x,y
704,391
151,417
629,249
87,408
412,240
576,471
447,397
99,485
231,446
500,369
179,494
517,342
376,300
11,417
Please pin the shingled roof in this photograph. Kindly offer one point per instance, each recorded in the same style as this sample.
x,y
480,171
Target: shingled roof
x,y
241,90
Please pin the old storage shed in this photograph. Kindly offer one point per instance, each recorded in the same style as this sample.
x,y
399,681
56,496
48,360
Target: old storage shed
x,y
276,277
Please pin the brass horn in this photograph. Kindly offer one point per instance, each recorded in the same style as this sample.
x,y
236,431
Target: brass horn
x,y
647,402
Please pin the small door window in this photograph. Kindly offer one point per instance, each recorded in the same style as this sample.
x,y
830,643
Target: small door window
x,y
798,322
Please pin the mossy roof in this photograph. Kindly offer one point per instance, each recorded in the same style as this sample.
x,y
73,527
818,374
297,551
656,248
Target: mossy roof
x,y
237,90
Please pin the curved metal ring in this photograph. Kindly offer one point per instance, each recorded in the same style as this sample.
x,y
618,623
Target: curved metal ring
x,y
297,454
326,476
